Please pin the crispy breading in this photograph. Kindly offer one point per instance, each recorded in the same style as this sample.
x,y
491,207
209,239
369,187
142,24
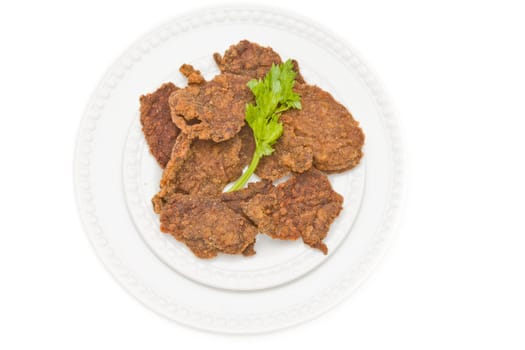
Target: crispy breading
x,y
247,58
290,155
202,167
304,206
212,110
328,128
248,144
207,226
236,199
250,59
324,126
158,128
193,75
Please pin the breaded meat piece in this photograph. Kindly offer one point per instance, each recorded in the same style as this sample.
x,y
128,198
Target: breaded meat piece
x,y
247,58
236,199
304,206
270,168
248,144
207,226
212,110
194,76
201,167
325,127
328,128
290,155
158,128
250,59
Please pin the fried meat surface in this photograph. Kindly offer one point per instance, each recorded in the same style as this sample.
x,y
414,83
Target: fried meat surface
x,y
202,167
158,128
250,59
323,134
207,226
212,110
304,206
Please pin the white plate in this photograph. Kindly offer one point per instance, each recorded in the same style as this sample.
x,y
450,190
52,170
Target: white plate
x,y
286,282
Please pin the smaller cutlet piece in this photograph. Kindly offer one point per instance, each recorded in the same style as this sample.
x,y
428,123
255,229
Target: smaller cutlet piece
x,y
304,206
207,226
202,167
250,59
158,128
212,110
290,155
235,200
328,128
247,58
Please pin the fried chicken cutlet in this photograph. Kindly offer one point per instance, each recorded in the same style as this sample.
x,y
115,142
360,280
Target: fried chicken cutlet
x,y
158,128
304,206
207,226
203,167
212,224
211,110
325,127
251,60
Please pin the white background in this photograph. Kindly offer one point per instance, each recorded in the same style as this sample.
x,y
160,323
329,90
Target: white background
x,y
455,276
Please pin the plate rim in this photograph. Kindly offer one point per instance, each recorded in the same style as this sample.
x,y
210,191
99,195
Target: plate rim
x,y
101,92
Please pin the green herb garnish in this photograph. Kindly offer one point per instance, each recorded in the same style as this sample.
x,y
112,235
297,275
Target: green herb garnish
x,y
273,95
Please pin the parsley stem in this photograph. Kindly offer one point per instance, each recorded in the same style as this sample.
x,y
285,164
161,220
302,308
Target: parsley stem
x,y
247,174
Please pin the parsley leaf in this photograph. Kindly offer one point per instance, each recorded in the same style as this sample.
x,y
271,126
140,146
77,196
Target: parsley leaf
x,y
273,95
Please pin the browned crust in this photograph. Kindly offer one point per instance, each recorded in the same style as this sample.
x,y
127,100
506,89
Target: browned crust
x,y
236,199
247,58
290,155
250,59
304,206
323,134
212,110
200,167
158,128
207,226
